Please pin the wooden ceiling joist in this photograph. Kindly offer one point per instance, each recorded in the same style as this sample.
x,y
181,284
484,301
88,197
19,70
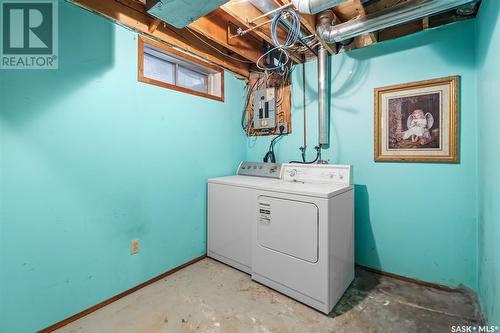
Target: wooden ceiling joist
x,y
215,36
243,12
214,26
132,14
154,25
354,9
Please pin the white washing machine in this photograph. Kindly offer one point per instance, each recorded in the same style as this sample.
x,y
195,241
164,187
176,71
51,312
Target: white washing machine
x,y
303,239
290,226
232,202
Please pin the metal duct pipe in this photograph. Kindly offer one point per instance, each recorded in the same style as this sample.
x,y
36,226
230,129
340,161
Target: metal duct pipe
x,y
406,12
323,105
264,6
326,23
315,6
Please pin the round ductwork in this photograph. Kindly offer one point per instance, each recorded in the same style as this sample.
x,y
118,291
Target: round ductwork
x,y
315,6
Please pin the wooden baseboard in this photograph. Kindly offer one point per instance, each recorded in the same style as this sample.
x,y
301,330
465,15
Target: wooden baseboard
x,y
406,279
96,307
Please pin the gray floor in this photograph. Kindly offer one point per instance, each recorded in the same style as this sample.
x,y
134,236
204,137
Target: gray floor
x,y
211,297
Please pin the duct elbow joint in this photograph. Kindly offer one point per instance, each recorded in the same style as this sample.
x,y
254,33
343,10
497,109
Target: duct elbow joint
x,y
325,27
324,32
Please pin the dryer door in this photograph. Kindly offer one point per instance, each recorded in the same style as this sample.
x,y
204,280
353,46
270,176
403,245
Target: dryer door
x,y
289,227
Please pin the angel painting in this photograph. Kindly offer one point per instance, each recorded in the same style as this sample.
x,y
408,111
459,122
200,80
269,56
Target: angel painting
x,y
413,121
419,125
417,121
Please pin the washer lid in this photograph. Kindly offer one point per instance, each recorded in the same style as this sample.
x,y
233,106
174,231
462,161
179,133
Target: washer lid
x,y
318,190
243,181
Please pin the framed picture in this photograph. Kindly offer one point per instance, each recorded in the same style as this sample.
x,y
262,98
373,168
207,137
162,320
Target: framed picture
x,y
417,122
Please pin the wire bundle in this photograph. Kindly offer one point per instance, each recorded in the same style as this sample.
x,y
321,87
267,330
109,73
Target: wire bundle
x,y
308,43
290,40
270,157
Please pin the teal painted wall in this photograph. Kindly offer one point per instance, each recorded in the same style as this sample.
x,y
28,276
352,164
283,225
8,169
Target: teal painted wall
x,y
417,220
91,159
488,87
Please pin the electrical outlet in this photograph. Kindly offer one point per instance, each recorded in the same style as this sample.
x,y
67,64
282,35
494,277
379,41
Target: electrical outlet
x,y
285,125
134,246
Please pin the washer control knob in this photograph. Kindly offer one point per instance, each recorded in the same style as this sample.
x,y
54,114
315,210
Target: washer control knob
x,y
292,172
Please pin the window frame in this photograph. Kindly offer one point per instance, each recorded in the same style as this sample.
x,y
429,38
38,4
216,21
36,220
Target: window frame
x,y
183,56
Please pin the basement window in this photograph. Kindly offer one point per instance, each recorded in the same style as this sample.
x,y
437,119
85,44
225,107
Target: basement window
x,y
169,68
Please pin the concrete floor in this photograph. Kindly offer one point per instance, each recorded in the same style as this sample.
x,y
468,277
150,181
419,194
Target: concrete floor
x,y
211,297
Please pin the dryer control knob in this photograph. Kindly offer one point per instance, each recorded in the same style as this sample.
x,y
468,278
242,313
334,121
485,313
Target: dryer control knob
x,y
292,172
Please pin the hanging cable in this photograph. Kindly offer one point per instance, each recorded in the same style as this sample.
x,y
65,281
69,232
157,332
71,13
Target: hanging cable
x,y
282,47
249,92
270,157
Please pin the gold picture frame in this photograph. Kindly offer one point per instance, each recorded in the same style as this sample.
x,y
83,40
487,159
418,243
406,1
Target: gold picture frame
x,y
418,121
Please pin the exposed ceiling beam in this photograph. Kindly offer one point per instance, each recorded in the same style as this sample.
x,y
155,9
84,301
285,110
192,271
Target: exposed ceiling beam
x,y
243,12
351,10
154,25
210,37
132,14
214,26
376,6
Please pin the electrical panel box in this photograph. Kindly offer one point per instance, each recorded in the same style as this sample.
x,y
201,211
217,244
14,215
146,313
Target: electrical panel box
x,y
264,109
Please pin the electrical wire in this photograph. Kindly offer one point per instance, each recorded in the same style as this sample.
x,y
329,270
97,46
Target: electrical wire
x,y
249,93
290,40
270,156
281,62
308,48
